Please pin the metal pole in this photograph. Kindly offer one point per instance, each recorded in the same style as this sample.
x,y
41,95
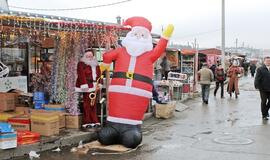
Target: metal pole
x,y
223,35
196,47
236,45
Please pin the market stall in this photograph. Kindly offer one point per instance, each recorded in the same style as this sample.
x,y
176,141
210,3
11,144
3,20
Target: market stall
x,y
187,63
41,53
210,56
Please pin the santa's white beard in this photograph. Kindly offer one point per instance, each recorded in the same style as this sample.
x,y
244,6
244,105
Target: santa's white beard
x,y
92,63
136,47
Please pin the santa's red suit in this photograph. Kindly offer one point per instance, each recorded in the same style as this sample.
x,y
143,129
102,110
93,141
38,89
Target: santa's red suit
x,y
131,85
87,76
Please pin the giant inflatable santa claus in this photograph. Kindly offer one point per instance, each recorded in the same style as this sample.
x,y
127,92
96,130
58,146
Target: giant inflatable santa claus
x,y
88,73
131,86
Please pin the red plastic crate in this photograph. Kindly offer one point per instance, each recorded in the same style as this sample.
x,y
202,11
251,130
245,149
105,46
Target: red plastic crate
x,y
27,137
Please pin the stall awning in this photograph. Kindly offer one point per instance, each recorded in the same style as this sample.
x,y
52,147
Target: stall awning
x,y
171,49
188,51
211,51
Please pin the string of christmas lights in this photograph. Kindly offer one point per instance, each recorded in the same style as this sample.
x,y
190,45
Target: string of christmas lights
x,y
70,41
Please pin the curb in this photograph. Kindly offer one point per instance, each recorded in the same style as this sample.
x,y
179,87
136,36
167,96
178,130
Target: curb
x,y
67,137
72,138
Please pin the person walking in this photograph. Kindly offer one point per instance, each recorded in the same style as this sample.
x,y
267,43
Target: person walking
x,y
213,69
158,70
220,78
252,69
261,83
165,64
245,65
205,77
234,73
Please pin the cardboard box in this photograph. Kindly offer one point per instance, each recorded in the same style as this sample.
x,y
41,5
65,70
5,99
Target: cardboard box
x,y
6,115
8,140
23,110
62,120
47,124
55,107
165,110
7,101
20,123
62,116
73,122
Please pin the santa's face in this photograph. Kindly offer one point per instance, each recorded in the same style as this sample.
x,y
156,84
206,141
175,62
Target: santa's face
x,y
89,59
138,41
89,55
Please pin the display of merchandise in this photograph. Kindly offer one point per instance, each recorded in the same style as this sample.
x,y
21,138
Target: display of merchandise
x,y
163,97
187,67
6,128
163,89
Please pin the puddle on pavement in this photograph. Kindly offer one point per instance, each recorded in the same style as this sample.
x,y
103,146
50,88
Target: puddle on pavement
x,y
150,149
233,140
206,132
162,138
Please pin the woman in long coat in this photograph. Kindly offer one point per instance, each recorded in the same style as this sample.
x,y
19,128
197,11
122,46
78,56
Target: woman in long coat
x,y
234,73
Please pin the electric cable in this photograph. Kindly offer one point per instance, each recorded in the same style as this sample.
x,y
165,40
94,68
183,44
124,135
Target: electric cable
x,y
71,9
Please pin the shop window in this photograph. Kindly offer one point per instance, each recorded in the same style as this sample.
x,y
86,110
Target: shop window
x,y
13,53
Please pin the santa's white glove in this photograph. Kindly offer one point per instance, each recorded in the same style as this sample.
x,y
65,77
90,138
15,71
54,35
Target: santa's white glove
x,y
84,87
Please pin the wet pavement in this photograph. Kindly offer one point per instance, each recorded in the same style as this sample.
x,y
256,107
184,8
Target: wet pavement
x,y
224,129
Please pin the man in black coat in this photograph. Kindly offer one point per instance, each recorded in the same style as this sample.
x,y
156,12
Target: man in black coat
x,y
252,69
261,82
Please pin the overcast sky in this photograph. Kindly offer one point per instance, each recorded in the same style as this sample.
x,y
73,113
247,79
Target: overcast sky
x,y
247,20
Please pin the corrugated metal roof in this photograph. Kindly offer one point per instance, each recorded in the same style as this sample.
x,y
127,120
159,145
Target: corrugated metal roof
x,y
212,51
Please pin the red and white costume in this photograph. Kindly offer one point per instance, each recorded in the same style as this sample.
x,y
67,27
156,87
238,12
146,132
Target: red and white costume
x,y
131,85
86,81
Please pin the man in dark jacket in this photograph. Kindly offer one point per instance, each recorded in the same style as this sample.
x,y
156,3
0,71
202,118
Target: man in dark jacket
x,y
252,69
261,82
220,78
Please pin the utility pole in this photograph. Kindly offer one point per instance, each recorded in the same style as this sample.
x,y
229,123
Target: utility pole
x,y
223,34
236,45
4,5
196,61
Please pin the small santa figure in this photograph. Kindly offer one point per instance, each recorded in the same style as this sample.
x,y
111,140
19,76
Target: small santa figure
x,y
131,86
88,73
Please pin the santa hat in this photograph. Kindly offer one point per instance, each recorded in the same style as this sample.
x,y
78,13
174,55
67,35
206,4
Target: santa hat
x,y
138,21
90,50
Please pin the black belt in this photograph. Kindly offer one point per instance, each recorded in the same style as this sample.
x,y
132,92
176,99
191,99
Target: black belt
x,y
133,76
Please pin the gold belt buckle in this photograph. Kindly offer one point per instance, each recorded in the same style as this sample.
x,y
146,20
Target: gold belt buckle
x,y
130,75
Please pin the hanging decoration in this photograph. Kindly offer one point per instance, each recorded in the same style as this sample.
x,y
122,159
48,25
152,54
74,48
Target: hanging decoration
x,y
54,74
72,60
71,38
61,89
